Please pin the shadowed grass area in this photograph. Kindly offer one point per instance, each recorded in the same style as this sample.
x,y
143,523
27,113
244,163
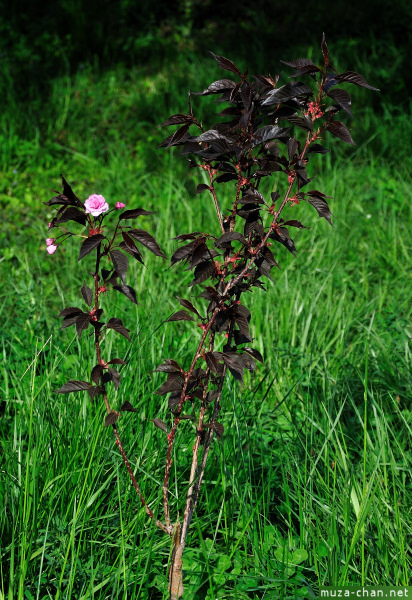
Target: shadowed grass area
x,y
311,483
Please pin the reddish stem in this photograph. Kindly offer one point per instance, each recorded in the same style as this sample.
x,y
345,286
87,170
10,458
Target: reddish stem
x,y
109,410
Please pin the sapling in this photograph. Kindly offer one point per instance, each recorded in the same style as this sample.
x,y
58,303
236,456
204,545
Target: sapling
x,y
110,249
265,128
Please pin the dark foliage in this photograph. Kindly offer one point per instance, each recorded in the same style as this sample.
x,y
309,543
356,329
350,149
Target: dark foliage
x,y
114,249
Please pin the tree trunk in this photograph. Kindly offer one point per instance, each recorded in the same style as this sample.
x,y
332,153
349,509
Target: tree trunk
x,y
175,572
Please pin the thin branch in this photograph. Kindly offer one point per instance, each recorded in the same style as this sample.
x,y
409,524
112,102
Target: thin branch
x,y
171,435
109,410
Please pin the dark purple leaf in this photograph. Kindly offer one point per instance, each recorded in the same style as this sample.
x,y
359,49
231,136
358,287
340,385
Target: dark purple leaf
x,y
183,253
242,322
95,390
90,244
58,200
147,240
69,311
169,366
180,315
255,353
226,64
202,187
317,200
120,263
118,326
234,363
179,119
87,294
213,363
352,77
183,138
282,235
111,419
128,292
116,361
224,177
268,132
74,386
330,82
134,213
253,195
210,136
96,373
217,87
179,136
230,236
159,424
106,377
200,254
71,214
218,428
174,383
115,377
70,195
317,148
127,407
264,268
292,147
269,258
341,131
68,322
174,400
130,247
286,92
188,305
303,122
299,63
203,271
342,98
82,323
294,223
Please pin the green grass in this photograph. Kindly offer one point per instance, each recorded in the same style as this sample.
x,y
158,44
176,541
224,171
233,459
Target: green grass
x,y
311,483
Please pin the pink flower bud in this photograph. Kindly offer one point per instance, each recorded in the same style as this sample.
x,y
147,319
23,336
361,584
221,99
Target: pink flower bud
x,y
96,205
119,205
51,249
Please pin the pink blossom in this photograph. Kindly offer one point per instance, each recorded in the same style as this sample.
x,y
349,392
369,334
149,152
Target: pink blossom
x,y
51,246
119,205
96,205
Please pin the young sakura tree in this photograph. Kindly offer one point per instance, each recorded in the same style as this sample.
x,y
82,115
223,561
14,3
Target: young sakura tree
x,y
265,128
111,250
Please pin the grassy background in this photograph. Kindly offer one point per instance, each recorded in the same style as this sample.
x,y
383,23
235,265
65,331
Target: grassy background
x,y
311,484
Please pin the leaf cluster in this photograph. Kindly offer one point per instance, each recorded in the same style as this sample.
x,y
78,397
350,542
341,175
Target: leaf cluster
x,y
113,250
263,127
